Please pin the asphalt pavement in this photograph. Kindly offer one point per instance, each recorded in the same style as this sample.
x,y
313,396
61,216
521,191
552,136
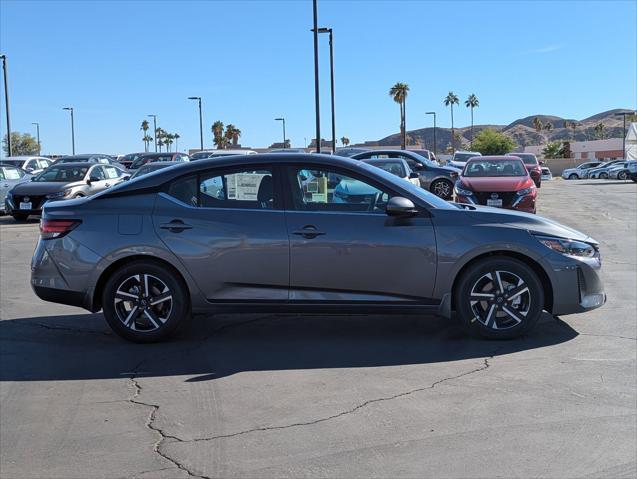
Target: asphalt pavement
x,y
325,396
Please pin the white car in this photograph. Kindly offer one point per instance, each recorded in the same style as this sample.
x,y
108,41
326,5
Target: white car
x,y
460,158
632,169
9,177
620,171
546,174
397,167
30,164
578,172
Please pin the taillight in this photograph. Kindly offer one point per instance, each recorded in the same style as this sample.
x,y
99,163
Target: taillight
x,y
50,229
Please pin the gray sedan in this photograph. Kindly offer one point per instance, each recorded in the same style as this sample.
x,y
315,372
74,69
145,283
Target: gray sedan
x,y
60,181
437,179
269,233
9,177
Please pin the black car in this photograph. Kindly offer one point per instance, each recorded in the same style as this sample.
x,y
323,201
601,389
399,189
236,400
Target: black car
x,y
144,158
437,179
89,158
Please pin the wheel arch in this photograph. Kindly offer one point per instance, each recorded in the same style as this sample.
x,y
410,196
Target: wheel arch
x,y
96,302
537,268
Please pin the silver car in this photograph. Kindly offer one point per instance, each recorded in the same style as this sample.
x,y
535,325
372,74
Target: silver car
x,y
31,164
60,181
247,233
9,177
579,171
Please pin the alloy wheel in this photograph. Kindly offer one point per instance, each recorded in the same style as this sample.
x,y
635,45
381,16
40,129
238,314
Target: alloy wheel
x,y
442,189
603,176
143,302
500,300
622,175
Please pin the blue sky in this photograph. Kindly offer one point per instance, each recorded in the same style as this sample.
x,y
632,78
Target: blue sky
x,y
115,62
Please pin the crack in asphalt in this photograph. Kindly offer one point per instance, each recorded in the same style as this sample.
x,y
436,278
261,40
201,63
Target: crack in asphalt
x,y
73,330
362,405
608,336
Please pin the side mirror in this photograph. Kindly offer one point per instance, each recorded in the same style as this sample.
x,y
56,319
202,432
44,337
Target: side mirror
x,y
92,179
399,206
413,174
419,167
542,162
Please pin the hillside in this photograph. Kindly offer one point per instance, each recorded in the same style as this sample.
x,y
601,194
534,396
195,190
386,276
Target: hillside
x,y
521,130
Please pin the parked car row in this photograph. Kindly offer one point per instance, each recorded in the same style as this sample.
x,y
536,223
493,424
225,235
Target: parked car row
x,y
615,169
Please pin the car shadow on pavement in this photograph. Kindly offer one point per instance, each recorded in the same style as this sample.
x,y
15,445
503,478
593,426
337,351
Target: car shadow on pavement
x,y
80,347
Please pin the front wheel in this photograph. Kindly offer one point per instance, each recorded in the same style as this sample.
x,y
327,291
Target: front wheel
x,y
499,298
442,188
573,176
603,176
145,302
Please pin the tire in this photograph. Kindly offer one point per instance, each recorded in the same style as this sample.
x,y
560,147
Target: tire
x,y
573,176
442,188
78,195
622,175
132,314
496,315
20,216
603,176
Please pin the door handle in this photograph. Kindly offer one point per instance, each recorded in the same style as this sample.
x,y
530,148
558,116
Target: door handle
x,y
175,226
107,185
308,231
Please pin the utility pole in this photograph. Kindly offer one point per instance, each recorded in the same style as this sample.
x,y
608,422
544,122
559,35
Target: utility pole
x,y
6,102
317,104
70,108
37,126
154,130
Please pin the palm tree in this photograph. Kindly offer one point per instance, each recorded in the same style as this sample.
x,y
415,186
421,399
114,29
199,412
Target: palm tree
x,y
599,131
345,141
537,124
168,140
145,126
176,137
450,100
218,137
232,134
147,139
472,102
160,143
548,126
399,93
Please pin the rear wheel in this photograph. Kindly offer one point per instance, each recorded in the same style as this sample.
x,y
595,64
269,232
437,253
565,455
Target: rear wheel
x,y
20,216
442,188
573,176
622,175
145,302
499,298
603,176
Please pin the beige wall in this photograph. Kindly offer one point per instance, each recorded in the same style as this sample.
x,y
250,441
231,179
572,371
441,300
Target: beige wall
x,y
558,165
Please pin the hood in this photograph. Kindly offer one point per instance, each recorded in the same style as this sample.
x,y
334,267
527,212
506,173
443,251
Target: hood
x,y
36,188
502,183
532,223
451,169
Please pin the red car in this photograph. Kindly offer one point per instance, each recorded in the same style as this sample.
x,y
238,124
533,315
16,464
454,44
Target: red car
x,y
499,181
533,166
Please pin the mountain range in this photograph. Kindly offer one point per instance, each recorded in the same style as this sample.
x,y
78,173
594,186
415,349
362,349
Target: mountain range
x,y
523,131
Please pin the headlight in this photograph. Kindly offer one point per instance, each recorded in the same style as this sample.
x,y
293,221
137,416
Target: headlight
x,y
58,195
568,247
526,191
461,191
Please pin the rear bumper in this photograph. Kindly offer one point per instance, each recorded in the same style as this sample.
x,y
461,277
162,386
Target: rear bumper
x,y
61,296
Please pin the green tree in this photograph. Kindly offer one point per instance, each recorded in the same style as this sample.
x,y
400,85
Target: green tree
x,y
599,131
345,141
493,142
450,100
218,135
176,136
553,149
232,134
537,124
21,144
548,126
399,93
565,151
472,102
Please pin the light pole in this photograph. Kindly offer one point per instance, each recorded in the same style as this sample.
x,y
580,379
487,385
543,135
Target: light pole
x,y
329,30
154,130
317,105
198,98
434,114
70,108
283,120
6,103
624,130
37,126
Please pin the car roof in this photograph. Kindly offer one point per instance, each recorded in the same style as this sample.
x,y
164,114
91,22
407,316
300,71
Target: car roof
x,y
26,157
84,164
164,153
155,164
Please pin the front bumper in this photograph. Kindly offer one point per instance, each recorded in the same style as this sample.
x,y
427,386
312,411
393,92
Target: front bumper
x,y
577,286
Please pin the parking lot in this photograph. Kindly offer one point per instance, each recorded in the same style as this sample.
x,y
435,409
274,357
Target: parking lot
x,y
326,396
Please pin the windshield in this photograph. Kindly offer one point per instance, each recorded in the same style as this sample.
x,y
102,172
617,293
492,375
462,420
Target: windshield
x,y
10,173
73,159
417,191
17,163
394,167
63,174
494,168
148,168
463,156
142,160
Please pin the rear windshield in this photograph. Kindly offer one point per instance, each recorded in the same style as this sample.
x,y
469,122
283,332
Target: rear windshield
x,y
63,174
394,167
491,168
526,158
463,156
142,160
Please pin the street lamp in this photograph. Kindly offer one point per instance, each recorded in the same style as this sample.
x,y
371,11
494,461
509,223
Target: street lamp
x,y
37,126
198,98
434,114
624,131
317,105
283,120
329,30
6,100
154,117
70,108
